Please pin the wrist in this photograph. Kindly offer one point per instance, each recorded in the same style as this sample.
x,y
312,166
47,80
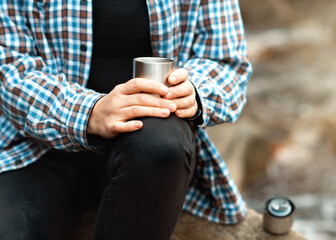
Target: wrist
x,y
93,119
197,119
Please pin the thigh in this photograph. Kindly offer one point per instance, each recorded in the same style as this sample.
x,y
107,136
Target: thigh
x,y
41,201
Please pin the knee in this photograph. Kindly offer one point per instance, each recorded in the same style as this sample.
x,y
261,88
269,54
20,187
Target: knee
x,y
163,145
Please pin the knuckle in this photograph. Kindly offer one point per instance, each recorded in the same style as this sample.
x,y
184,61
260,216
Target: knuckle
x,y
111,127
118,88
160,113
189,105
134,111
192,103
135,83
141,99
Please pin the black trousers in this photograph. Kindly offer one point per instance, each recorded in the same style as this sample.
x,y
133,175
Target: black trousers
x,y
140,179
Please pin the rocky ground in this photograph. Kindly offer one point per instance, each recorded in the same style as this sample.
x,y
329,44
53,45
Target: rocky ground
x,y
291,112
193,228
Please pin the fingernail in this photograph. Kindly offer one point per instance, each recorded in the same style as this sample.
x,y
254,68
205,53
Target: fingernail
x,y
138,124
164,89
172,107
165,112
169,95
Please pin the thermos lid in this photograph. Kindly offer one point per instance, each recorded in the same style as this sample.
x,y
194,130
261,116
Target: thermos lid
x,y
279,207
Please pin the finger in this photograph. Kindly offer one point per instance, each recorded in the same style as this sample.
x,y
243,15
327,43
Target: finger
x,y
186,113
181,90
113,129
130,126
137,85
185,102
178,76
143,111
144,99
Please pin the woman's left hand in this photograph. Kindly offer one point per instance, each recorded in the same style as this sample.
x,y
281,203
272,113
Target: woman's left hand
x,y
182,93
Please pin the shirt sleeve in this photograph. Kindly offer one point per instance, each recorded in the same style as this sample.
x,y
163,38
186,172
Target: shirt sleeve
x,y
218,66
40,102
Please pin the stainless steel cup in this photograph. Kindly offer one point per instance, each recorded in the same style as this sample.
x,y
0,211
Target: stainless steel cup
x,y
153,68
278,215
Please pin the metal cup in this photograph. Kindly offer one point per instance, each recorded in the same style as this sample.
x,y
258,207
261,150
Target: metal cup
x,y
153,68
278,215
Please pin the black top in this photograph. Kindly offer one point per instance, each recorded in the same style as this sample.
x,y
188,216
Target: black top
x,y
120,33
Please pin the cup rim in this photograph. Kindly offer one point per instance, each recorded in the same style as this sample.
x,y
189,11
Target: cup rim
x,y
153,60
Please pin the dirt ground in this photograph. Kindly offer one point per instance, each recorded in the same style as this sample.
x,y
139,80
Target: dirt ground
x,y
292,98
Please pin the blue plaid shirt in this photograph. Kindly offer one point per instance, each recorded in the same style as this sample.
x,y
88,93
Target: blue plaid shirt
x,y
45,53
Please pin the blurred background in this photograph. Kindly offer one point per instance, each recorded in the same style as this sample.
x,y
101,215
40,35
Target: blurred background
x,y
284,143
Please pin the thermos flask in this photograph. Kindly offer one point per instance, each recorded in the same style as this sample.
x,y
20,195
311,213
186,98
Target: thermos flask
x,y
153,68
279,214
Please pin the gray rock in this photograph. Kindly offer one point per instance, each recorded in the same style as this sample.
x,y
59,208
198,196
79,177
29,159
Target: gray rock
x,y
193,228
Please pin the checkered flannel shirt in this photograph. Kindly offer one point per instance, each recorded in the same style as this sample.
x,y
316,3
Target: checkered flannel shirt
x,y
45,53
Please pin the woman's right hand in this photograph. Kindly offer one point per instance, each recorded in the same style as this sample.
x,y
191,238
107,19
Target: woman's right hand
x,y
114,113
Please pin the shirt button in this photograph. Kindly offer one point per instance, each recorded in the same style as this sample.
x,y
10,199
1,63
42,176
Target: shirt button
x,y
83,48
83,2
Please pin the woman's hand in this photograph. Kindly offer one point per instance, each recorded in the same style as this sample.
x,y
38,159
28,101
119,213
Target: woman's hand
x,y
114,113
182,93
